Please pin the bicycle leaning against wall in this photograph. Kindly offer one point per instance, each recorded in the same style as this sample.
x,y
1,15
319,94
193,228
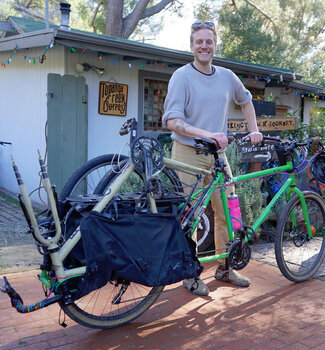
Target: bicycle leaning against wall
x,y
94,198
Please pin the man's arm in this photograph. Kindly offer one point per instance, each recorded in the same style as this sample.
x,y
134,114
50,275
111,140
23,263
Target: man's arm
x,y
250,116
185,129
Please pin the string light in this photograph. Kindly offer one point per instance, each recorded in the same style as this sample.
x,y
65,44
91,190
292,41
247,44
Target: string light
x,y
17,51
20,52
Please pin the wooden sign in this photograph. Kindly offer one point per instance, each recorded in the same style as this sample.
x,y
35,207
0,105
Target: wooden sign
x,y
264,124
113,98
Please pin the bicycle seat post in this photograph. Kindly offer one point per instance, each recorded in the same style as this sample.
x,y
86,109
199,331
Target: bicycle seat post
x,y
134,130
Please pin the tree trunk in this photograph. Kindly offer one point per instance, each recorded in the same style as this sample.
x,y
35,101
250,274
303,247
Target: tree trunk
x,y
121,27
114,17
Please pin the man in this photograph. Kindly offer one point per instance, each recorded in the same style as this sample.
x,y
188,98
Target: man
x,y
197,104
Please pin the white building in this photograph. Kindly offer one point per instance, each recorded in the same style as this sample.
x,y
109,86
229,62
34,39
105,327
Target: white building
x,y
53,76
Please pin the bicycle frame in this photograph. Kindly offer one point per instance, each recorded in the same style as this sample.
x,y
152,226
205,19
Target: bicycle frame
x,y
288,187
58,254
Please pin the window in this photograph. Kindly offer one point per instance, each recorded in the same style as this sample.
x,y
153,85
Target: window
x,y
155,92
257,93
152,89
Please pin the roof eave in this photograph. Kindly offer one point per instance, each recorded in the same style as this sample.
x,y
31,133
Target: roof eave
x,y
135,49
27,40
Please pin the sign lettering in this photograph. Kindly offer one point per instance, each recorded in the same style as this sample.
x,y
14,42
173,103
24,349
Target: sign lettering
x,y
112,98
265,124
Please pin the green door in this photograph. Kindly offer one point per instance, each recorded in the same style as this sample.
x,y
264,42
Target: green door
x,y
67,126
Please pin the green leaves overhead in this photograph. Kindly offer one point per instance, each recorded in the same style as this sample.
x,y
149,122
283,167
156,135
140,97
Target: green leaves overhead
x,y
283,33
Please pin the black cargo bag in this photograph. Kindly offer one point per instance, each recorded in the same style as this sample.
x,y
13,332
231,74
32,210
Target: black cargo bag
x,y
150,249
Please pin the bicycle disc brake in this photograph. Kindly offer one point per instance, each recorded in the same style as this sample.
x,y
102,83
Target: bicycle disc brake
x,y
239,254
141,148
299,235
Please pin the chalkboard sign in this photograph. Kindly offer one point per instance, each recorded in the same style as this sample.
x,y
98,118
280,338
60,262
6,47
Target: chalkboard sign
x,y
257,154
264,107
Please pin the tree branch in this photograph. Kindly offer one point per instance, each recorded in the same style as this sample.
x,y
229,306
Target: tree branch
x,y
156,8
95,14
28,13
263,14
132,19
233,3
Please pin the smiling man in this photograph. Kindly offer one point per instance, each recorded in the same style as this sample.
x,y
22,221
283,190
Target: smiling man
x,y
197,105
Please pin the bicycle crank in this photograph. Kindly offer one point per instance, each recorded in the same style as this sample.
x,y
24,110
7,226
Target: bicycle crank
x,y
239,254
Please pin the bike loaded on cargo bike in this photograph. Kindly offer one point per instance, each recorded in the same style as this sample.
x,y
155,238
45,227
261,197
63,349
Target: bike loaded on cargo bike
x,y
121,228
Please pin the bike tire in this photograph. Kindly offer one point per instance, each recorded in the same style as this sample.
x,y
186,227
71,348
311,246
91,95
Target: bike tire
x,y
298,257
96,309
85,179
88,311
205,231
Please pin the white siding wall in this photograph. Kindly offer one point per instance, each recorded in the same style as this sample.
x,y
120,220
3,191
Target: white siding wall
x,y
23,114
103,130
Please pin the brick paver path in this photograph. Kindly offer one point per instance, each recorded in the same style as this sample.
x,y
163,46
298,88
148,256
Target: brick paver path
x,y
272,313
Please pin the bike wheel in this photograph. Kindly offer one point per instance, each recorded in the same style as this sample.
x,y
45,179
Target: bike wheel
x,y
297,256
135,183
98,309
85,179
205,231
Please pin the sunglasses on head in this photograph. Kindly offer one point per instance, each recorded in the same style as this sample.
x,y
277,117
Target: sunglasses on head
x,y
198,25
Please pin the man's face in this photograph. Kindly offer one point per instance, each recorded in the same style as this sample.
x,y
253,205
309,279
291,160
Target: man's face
x,y
203,46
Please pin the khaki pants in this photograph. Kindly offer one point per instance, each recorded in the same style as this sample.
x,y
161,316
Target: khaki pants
x,y
187,154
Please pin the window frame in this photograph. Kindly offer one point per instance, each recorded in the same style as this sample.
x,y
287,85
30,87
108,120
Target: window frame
x,y
143,74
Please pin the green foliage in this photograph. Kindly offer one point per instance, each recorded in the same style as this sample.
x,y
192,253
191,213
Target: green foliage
x,y
35,9
249,193
288,34
316,127
243,37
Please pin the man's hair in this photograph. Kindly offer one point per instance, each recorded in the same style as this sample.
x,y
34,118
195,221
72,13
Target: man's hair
x,y
201,25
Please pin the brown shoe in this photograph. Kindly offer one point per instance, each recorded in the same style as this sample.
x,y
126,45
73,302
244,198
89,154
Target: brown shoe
x,y
196,286
233,277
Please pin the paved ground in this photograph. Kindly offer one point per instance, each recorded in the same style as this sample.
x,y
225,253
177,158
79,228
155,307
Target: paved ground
x,y
17,248
272,313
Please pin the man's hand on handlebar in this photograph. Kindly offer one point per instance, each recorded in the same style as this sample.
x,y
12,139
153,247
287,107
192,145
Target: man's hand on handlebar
x,y
220,139
255,137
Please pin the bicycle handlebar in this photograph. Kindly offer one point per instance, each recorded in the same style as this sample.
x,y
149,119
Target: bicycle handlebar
x,y
316,140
